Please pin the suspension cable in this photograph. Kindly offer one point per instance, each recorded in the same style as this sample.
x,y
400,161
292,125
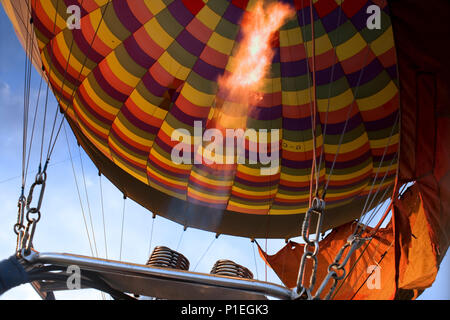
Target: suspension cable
x,y
123,223
151,235
330,87
253,245
206,251
78,191
103,214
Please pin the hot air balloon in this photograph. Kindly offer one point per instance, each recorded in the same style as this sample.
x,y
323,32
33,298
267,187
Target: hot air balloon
x,y
331,119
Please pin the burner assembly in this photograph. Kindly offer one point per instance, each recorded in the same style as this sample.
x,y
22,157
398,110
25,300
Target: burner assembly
x,y
231,269
164,257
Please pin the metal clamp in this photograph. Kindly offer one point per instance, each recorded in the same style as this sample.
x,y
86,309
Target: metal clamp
x,y
311,248
336,270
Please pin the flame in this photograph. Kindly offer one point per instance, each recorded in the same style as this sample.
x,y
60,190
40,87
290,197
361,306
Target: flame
x,y
241,88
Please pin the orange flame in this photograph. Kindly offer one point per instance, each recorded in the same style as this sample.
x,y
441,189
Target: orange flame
x,y
241,88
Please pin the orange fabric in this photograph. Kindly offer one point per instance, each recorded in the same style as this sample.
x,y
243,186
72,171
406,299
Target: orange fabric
x,y
379,252
403,255
417,263
424,67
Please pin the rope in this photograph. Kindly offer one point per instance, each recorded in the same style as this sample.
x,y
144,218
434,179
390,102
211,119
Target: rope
x,y
181,238
103,215
78,191
33,129
87,201
123,223
204,253
314,107
151,236
329,96
254,258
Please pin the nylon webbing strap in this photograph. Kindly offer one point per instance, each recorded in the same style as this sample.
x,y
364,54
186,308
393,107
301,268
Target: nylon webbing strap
x,y
12,274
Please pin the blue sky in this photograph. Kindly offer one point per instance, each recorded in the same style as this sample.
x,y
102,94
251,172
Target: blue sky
x,y
61,228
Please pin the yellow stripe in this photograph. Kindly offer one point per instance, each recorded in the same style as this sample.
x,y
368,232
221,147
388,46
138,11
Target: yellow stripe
x,y
173,67
50,10
171,193
288,211
157,33
155,6
221,183
88,119
351,47
207,196
176,182
103,33
197,97
106,107
323,44
65,51
264,192
382,143
120,72
383,43
132,171
146,106
291,37
295,98
336,103
252,206
125,153
221,44
169,162
208,17
132,135
379,98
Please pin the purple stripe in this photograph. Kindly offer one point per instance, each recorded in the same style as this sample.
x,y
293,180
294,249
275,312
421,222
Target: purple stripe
x,y
293,68
221,206
206,70
233,14
247,200
337,128
359,20
67,78
190,43
153,86
366,73
180,13
126,16
178,114
165,186
392,71
208,190
89,109
107,88
140,152
86,47
137,54
330,21
137,122
266,113
380,124
171,174
249,183
323,77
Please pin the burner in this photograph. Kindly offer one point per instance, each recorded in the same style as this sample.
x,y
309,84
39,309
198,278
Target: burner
x,y
231,269
167,258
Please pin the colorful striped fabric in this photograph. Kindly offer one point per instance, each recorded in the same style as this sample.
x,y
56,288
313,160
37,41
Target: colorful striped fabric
x,y
137,70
